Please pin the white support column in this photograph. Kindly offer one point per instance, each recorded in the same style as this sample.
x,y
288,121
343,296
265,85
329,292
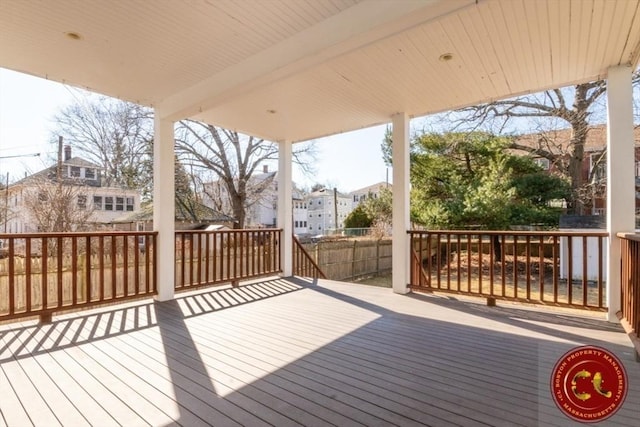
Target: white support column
x,y
164,205
621,195
285,206
401,220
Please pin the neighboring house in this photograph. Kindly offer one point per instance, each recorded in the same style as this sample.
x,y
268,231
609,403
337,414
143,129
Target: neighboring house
x,y
370,192
594,167
86,180
300,213
262,201
195,217
322,206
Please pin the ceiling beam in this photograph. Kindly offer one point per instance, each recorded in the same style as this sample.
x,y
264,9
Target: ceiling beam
x,y
358,26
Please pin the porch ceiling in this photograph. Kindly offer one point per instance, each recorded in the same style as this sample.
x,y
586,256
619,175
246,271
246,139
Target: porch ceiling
x,y
298,69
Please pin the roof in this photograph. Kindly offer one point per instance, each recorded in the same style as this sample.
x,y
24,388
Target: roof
x,y
370,188
558,141
51,172
294,70
325,192
203,214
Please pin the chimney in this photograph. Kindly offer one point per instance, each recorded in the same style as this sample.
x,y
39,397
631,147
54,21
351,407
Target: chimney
x,y
265,168
67,152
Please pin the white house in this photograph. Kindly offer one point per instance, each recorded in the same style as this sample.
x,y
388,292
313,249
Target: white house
x,y
327,210
262,202
90,193
370,192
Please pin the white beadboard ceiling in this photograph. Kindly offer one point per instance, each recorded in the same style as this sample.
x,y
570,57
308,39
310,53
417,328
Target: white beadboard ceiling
x,y
298,69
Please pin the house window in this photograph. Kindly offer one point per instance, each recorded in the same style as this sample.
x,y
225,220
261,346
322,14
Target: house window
x,y
97,203
75,171
90,173
542,162
304,223
295,224
108,203
598,167
119,203
82,201
130,204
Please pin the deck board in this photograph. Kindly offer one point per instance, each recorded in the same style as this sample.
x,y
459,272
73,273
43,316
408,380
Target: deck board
x,y
289,352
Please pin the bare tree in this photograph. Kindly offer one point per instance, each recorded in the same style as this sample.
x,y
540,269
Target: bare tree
x,y
573,106
233,159
58,207
114,134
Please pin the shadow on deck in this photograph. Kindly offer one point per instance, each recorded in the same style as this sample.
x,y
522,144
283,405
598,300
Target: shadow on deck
x,y
322,353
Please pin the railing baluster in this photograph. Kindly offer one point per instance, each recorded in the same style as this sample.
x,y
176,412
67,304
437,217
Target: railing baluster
x,y
528,266
12,277
59,255
125,266
74,269
136,265
101,267
199,254
585,285
556,281
87,269
469,256
570,270
515,266
114,268
600,271
541,267
491,263
45,268
183,260
480,264
27,272
458,256
448,261
503,264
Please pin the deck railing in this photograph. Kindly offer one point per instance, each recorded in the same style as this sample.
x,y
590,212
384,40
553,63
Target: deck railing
x,y
303,264
558,268
49,272
206,258
630,282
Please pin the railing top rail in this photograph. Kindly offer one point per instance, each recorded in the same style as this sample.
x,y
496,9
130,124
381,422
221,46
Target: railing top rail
x,y
77,234
511,233
629,236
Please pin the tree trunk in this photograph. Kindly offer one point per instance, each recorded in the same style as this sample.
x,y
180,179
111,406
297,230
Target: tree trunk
x,y
497,248
576,163
238,211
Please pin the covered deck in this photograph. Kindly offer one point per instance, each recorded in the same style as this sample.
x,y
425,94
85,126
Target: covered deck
x,y
298,352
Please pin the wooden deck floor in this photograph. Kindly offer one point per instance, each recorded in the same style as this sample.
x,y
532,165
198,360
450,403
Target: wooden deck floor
x,y
291,352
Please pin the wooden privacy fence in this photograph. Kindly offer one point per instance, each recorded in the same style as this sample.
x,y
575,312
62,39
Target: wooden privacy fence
x,y
560,268
630,282
351,259
48,272
213,257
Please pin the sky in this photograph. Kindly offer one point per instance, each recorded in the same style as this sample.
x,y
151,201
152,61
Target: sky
x,y
28,104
